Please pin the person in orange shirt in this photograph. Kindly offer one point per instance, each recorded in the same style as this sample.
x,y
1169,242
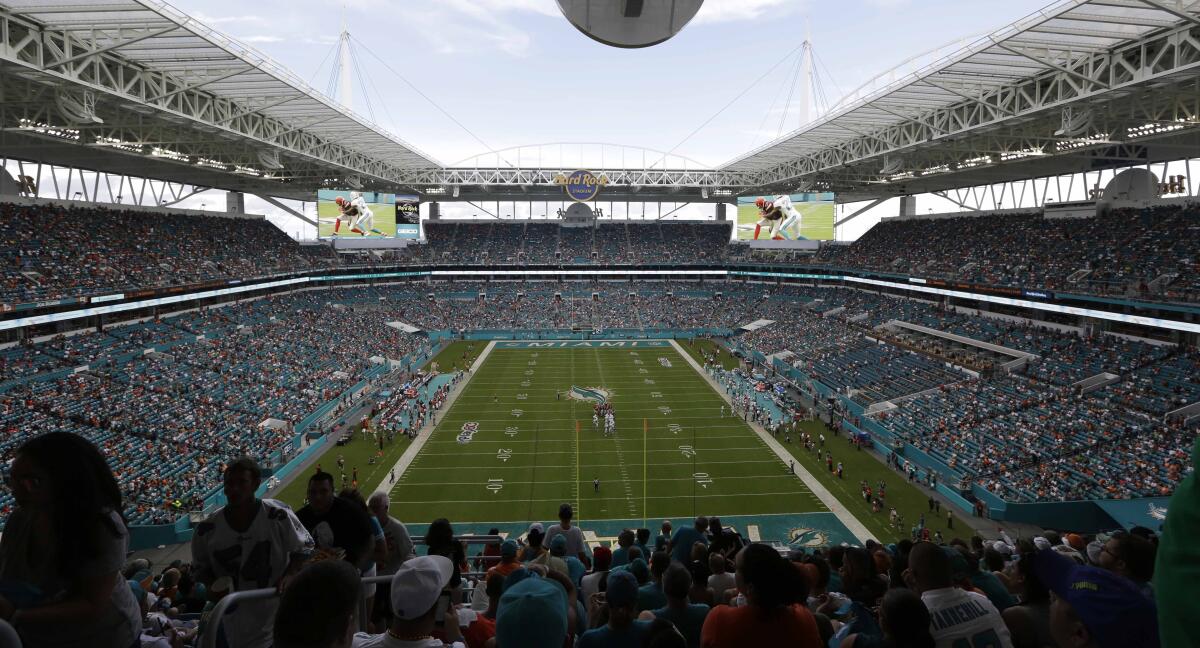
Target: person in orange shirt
x,y
508,559
774,613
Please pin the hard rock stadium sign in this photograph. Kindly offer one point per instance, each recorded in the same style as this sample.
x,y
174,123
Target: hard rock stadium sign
x,y
581,186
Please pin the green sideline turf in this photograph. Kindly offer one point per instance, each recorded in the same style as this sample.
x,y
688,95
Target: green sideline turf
x,y
697,348
909,500
527,454
457,356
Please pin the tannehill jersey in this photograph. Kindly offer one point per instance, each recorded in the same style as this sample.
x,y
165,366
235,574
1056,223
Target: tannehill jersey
x,y
254,559
360,205
962,619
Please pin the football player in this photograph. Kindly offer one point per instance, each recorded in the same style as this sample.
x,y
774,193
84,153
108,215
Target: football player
x,y
768,214
789,218
366,218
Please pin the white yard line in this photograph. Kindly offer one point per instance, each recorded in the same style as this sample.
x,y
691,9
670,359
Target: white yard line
x,y
423,435
832,503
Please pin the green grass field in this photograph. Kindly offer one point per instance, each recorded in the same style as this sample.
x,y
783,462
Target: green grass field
x,y
673,455
909,500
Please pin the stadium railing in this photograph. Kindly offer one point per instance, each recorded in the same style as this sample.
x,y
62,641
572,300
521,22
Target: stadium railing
x,y
208,638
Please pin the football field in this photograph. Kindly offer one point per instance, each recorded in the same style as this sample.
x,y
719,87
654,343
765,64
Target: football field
x,y
519,441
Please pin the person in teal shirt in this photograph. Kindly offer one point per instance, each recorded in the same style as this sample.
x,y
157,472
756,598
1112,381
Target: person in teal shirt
x,y
687,617
1178,564
620,555
650,592
685,537
623,628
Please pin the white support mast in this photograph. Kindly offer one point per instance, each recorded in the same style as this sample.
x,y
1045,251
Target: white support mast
x,y
806,79
345,90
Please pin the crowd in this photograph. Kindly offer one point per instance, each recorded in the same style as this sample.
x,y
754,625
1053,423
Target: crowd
x,y
91,251
50,251
1030,436
68,584
1122,252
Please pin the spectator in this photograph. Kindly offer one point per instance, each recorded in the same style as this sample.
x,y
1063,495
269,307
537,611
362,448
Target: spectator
x,y
440,541
575,568
663,539
399,549
664,634
66,539
1132,557
720,581
553,559
1178,565
592,583
687,617
318,608
623,627
620,556
508,559
1095,608
957,615
724,541
378,556
685,537
234,537
534,539
532,614
484,625
905,623
399,543
650,593
337,525
987,582
774,613
417,601
1029,620
573,534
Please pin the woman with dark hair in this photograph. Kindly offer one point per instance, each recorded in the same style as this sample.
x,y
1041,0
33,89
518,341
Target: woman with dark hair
x,y
439,541
774,613
905,621
1029,620
864,587
66,540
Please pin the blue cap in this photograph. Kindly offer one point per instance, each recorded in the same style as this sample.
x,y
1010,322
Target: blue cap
x,y
532,614
1113,609
558,546
139,593
640,570
622,589
508,548
516,576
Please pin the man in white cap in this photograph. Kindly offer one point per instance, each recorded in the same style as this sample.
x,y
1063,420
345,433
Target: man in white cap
x,y
416,594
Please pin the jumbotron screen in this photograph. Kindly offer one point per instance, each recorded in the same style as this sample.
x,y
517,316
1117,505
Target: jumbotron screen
x,y
343,213
798,217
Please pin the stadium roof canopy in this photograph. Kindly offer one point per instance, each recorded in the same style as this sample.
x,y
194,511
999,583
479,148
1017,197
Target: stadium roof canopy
x,y
1081,84
146,89
138,87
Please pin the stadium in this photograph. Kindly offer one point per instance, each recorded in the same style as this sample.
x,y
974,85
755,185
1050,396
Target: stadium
x,y
270,375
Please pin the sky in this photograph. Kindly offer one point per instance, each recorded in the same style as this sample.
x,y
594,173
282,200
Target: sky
x,y
515,72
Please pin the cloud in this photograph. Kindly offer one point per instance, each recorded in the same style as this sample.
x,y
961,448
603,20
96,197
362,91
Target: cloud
x,y
719,11
261,38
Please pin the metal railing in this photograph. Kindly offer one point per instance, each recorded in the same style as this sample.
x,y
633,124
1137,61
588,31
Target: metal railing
x,y
208,639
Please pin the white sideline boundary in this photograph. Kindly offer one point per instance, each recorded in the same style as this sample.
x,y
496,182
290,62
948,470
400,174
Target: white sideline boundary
x,y
423,435
832,503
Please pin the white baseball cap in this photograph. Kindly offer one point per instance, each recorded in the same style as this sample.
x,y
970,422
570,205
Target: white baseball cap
x,y
418,583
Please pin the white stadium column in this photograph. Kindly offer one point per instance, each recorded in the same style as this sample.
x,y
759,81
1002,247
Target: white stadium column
x,y
235,202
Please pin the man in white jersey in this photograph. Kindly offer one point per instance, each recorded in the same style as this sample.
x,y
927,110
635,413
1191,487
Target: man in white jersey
x,y
957,617
790,219
256,543
366,218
